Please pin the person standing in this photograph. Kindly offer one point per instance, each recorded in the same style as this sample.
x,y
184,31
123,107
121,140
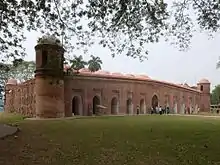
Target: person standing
x,y
138,110
157,110
160,110
152,110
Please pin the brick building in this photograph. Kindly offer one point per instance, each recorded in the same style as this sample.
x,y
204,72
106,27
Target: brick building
x,y
57,92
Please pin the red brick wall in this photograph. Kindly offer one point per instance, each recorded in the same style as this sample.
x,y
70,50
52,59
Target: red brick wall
x,y
87,87
49,97
20,98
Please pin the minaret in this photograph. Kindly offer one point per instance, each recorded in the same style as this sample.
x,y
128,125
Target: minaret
x,y
49,78
204,86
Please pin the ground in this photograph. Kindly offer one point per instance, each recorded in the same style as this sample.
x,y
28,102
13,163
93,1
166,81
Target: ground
x,y
131,140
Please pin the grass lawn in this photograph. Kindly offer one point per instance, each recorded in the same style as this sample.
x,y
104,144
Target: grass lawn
x,y
132,140
10,118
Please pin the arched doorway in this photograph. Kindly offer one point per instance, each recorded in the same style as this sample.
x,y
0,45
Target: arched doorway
x,y
95,102
175,108
182,109
77,105
114,106
142,106
167,101
154,101
196,108
129,106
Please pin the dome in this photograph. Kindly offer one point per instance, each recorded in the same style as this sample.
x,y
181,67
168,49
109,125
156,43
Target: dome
x,y
103,72
142,77
12,82
117,74
186,85
49,39
66,67
84,70
204,81
129,75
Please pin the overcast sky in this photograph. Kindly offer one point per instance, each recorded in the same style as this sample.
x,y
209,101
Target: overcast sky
x,y
164,61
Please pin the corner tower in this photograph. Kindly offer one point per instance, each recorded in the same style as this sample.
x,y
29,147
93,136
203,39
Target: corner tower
x,y
204,86
49,83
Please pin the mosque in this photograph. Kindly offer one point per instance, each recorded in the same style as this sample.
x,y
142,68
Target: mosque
x,y
57,91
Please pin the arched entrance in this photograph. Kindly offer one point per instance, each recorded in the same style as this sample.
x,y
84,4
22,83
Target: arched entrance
x,y
142,106
95,102
129,106
167,101
182,109
154,101
77,105
114,106
196,108
175,108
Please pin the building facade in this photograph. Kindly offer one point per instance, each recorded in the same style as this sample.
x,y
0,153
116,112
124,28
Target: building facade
x,y
57,91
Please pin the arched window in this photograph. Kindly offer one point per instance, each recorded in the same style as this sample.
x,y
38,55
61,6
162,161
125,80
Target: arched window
x,y
44,58
201,88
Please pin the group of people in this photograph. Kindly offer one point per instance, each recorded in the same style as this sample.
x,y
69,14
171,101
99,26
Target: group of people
x,y
160,110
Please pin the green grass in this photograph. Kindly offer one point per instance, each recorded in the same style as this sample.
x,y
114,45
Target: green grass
x,y
133,140
10,118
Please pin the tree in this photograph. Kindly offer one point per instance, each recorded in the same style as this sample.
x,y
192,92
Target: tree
x,y
78,63
23,71
4,75
94,63
20,70
218,64
215,95
124,26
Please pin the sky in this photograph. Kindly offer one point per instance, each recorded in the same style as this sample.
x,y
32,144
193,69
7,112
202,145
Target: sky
x,y
165,62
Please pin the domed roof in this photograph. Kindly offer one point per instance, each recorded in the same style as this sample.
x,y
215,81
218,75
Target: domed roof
x,y
117,74
130,75
12,82
142,77
66,67
204,81
49,39
103,72
84,70
186,85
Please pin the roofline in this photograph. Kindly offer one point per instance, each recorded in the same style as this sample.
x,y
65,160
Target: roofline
x,y
135,79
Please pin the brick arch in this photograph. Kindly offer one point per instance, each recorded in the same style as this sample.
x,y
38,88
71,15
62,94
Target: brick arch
x,y
129,106
154,100
167,100
114,105
96,100
175,104
142,105
183,104
77,105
